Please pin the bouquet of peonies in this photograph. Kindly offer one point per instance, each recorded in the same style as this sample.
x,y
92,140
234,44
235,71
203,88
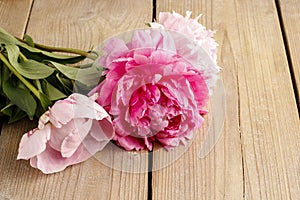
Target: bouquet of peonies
x,y
152,87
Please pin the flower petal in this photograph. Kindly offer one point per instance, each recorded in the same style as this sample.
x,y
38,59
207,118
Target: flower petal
x,y
116,47
85,107
51,161
34,142
61,112
93,146
130,143
33,162
70,143
102,130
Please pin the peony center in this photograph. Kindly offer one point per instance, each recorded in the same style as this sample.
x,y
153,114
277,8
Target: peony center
x,y
155,109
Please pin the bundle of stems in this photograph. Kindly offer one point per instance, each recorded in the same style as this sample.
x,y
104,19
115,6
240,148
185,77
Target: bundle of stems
x,y
33,76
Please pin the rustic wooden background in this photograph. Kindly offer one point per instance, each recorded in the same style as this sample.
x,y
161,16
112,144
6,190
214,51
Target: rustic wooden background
x,y
257,156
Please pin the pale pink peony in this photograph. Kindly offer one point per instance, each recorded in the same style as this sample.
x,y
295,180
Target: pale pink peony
x,y
196,32
70,132
151,90
190,28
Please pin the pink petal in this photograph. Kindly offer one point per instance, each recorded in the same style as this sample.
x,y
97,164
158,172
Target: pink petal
x,y
148,143
199,88
80,127
141,59
75,106
34,142
85,107
70,145
141,39
161,57
168,43
51,161
169,142
102,130
33,162
131,143
92,145
61,112
116,48
59,134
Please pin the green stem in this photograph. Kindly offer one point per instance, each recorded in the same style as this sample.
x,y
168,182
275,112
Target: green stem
x,y
62,49
20,77
38,84
23,57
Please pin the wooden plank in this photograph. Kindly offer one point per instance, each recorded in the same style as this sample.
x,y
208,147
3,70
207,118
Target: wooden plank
x,y
268,111
290,11
13,18
78,24
261,122
220,174
14,15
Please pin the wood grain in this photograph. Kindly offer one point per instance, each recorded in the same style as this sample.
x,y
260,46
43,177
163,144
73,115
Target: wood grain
x,y
77,24
268,111
220,174
84,24
257,157
14,18
14,15
290,11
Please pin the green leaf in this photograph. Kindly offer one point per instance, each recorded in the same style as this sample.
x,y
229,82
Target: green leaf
x,y
30,69
17,115
6,38
14,113
1,74
87,76
52,92
5,75
38,85
37,70
2,102
40,55
45,101
28,40
60,82
65,83
68,71
8,109
20,97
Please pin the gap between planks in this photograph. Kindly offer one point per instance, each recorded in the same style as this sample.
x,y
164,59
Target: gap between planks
x,y
288,54
113,194
150,155
28,17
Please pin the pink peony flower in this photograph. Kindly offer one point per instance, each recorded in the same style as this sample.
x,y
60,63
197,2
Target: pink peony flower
x,y
70,132
189,27
151,90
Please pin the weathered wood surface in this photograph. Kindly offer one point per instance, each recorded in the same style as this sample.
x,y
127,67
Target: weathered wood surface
x,y
257,154
77,24
15,15
290,14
